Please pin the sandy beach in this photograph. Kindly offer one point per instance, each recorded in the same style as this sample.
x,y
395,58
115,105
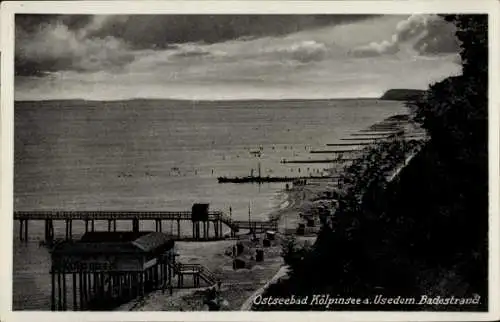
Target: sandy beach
x,y
237,285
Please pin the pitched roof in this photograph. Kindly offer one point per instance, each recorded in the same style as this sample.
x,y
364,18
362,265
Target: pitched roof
x,y
115,243
151,241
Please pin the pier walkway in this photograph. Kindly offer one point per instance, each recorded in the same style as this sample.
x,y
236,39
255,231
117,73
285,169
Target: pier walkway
x,y
217,218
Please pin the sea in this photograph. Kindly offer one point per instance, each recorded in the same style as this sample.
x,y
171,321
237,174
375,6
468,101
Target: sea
x,y
162,155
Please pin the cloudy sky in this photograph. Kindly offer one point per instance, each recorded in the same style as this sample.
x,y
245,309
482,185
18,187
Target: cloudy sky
x,y
228,57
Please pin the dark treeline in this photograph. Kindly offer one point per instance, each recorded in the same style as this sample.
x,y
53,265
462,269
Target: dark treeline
x,y
424,233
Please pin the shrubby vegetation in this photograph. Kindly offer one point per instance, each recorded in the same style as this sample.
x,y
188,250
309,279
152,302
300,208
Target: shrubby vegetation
x,y
425,233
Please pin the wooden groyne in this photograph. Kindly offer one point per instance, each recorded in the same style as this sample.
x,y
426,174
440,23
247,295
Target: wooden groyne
x,y
377,134
251,179
335,151
367,138
320,161
350,144
380,130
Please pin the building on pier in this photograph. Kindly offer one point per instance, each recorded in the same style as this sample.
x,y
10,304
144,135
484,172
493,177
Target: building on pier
x,y
103,270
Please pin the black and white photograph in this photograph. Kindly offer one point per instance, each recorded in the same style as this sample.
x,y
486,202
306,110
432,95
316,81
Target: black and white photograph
x,y
244,161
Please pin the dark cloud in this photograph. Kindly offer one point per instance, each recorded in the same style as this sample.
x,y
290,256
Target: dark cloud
x,y
33,22
147,31
46,43
438,39
428,35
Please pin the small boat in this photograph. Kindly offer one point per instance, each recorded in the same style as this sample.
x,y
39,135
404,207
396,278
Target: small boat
x,y
256,153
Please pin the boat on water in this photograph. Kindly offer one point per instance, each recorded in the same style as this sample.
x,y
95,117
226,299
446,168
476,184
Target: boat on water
x,y
256,153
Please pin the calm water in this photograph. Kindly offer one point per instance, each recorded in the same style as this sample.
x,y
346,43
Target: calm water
x,y
161,155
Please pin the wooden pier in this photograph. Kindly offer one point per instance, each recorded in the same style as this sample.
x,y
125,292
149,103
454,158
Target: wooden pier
x,y
203,224
201,228
257,226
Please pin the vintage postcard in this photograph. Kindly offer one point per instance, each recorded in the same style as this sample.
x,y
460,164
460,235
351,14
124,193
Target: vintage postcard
x,y
252,161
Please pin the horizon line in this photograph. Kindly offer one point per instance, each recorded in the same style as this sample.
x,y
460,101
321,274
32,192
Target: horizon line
x,y
201,100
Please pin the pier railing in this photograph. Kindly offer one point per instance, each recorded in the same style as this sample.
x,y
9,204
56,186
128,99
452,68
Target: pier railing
x,y
110,215
218,218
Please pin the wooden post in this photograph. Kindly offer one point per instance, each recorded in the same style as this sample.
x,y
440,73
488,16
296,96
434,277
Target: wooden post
x,y
142,283
159,272
89,287
109,224
21,222
53,293
84,291
26,230
178,229
93,225
86,225
51,229
64,291
160,222
102,285
59,292
120,284
80,290
46,233
94,284
97,286
114,225
74,292
129,282
135,225
169,268
67,229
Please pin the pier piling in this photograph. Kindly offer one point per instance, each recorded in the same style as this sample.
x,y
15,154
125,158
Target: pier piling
x,y
135,225
89,218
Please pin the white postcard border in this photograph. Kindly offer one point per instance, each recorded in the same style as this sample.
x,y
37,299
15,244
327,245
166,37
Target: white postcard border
x,y
10,8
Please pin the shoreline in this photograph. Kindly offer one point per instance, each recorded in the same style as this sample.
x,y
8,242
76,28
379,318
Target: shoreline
x,y
237,285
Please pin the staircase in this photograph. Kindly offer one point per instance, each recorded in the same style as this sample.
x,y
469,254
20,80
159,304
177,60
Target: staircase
x,y
208,276
229,222
198,271
256,226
